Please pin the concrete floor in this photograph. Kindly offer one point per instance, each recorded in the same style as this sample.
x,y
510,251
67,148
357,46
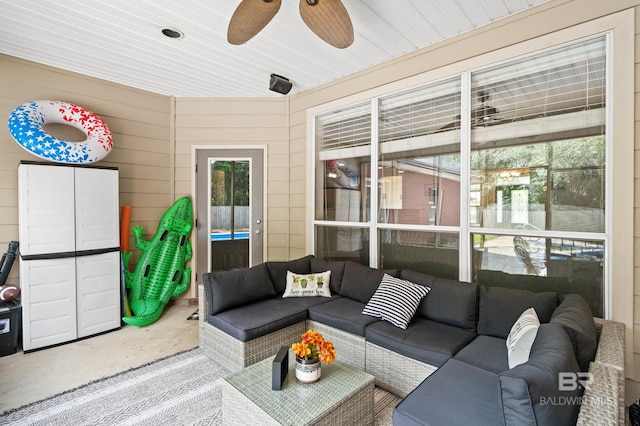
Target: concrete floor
x,y
30,377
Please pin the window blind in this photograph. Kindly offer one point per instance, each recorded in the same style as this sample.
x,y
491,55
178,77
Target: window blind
x,y
516,99
420,111
559,81
344,133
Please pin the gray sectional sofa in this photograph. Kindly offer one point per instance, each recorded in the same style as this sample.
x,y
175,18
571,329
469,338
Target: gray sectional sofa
x,y
450,364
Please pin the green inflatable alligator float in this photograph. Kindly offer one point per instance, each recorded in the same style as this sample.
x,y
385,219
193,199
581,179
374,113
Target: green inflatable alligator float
x,y
160,273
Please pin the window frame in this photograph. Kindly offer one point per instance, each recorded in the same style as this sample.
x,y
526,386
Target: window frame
x,y
619,163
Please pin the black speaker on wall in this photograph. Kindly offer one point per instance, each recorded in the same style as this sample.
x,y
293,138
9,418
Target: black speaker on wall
x,y
280,84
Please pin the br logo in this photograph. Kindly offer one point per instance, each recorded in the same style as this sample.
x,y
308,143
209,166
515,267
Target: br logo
x,y
570,381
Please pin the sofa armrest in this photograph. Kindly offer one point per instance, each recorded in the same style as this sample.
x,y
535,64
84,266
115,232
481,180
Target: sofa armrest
x,y
611,344
203,311
603,401
203,306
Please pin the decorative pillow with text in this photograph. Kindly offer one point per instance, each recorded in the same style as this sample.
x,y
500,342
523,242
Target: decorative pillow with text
x,y
521,337
308,285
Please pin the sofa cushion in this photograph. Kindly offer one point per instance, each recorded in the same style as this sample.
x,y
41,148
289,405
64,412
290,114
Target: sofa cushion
x,y
451,302
335,266
500,307
307,302
258,319
360,282
344,314
278,271
230,289
574,314
521,337
455,394
532,392
486,352
395,301
308,285
424,340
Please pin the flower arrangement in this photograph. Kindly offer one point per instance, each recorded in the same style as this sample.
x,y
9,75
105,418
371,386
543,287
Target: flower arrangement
x,y
313,345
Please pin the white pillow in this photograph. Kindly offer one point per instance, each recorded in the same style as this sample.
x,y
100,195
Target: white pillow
x,y
395,301
521,337
308,285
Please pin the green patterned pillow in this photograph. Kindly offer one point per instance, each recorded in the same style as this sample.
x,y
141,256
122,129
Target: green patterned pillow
x,y
308,285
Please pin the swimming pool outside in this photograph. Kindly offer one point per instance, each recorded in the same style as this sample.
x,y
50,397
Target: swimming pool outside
x,y
225,236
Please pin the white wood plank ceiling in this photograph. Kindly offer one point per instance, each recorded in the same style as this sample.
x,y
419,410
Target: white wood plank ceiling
x,y
121,40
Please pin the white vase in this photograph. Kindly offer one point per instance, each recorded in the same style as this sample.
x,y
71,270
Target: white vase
x,y
307,370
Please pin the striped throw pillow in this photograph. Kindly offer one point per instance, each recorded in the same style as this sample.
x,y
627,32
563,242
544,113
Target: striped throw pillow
x,y
395,301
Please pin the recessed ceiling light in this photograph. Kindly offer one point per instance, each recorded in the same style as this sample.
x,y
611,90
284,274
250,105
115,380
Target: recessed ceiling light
x,y
172,33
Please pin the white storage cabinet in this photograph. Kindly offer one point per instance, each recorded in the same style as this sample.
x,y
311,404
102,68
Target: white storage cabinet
x,y
69,252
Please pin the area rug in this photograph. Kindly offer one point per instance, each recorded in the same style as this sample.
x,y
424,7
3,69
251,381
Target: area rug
x,y
181,389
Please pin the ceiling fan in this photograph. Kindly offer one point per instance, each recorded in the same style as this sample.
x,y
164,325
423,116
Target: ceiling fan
x,y
327,18
481,116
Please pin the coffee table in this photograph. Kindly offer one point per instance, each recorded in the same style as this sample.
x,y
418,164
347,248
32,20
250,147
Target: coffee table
x,y
342,396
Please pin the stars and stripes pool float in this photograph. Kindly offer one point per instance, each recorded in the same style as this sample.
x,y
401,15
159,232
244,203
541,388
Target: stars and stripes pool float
x,y
25,125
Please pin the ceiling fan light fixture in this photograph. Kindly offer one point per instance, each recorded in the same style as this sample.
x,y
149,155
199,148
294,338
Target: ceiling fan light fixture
x,y
172,33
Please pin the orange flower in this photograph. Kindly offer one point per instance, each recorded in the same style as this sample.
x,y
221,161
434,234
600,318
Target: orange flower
x,y
312,338
327,352
301,349
313,345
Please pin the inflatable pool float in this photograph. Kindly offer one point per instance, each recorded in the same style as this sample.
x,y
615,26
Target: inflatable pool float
x,y
25,125
343,174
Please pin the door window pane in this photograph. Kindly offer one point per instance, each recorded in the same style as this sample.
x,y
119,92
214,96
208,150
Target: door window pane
x,y
230,214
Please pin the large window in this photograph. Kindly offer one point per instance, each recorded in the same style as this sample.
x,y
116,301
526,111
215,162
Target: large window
x,y
496,175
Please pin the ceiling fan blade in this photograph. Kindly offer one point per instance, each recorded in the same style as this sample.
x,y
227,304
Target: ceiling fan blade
x,y
329,20
250,17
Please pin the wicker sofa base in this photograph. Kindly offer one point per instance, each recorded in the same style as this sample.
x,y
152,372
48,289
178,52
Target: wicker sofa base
x,y
394,372
352,347
235,354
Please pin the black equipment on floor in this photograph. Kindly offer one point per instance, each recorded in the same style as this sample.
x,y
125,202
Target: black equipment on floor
x,y
7,262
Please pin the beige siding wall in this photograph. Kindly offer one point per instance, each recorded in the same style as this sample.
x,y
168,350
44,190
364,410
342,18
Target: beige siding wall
x,y
556,21
234,123
140,123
